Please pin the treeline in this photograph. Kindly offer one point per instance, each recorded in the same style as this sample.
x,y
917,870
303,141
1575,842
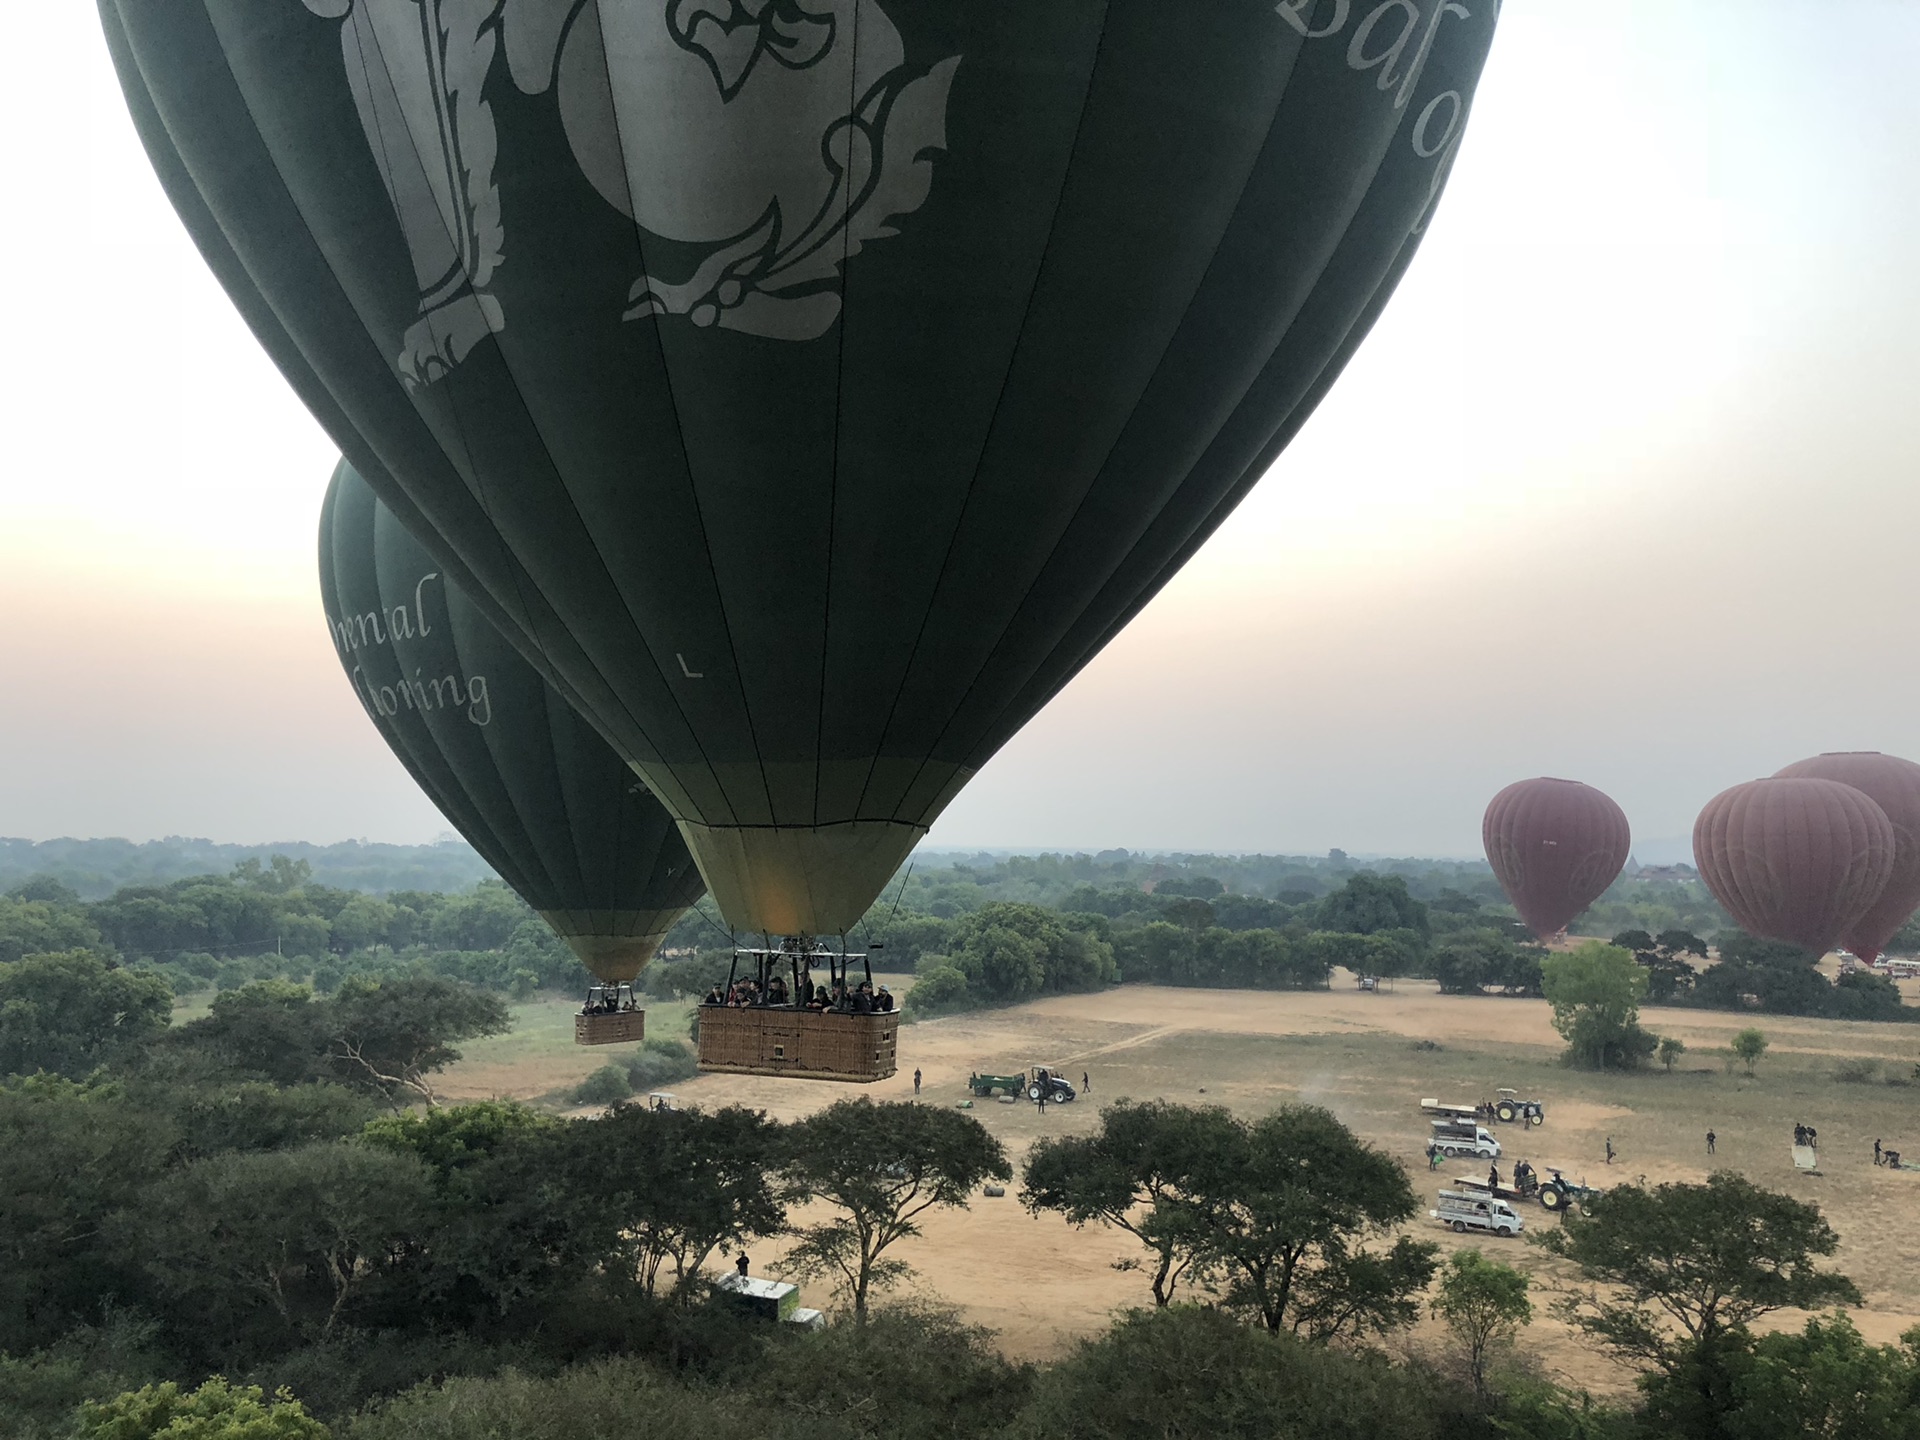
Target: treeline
x,y
1191,931
275,921
94,869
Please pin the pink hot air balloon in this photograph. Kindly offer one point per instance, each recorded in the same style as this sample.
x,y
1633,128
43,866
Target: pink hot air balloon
x,y
1794,859
1894,785
1555,846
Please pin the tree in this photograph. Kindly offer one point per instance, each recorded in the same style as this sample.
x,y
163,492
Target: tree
x,y
71,1157
1014,951
1282,1220
71,1012
881,1166
271,1029
216,1411
1139,1172
1688,1269
681,1184
390,1036
1595,991
31,924
1484,1303
939,989
1748,1046
1671,1049
1370,902
293,1234
1826,1380
1191,1373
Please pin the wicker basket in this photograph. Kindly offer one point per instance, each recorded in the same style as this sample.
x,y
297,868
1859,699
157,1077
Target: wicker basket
x,y
803,1044
626,1027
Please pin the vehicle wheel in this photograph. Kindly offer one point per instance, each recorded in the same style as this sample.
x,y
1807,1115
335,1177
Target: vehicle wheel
x,y
1551,1199
1505,1112
1459,1227
1538,1117
1033,1092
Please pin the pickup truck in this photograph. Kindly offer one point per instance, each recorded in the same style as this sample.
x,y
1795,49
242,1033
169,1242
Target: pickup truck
x,y
1465,1210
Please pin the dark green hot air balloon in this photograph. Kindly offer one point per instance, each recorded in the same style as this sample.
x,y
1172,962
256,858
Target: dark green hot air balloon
x,y
809,388
509,763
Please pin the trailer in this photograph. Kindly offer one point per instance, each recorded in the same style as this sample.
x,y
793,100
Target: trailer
x,y
1551,1191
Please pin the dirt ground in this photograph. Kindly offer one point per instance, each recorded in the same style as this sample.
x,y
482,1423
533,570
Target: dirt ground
x,y
1041,1284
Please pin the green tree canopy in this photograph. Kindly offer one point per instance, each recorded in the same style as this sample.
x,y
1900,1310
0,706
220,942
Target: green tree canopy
x,y
1285,1218
1595,990
1748,1046
216,1411
70,1012
1484,1303
1688,1269
1368,902
280,1242
1012,951
881,1166
1140,1172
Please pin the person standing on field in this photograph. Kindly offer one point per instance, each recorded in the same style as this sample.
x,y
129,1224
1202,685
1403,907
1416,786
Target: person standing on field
x,y
1610,1151
916,1080
1711,1137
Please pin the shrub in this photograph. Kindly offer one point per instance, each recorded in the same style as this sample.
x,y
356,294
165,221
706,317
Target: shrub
x,y
660,1062
940,990
608,1085
1856,1072
216,1411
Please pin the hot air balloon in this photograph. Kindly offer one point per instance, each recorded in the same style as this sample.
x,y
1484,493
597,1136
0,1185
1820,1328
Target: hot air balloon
x,y
530,784
1555,846
1793,859
807,391
1894,785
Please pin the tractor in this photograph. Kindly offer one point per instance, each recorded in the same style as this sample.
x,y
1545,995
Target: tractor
x,y
1510,1107
1556,1192
1044,1082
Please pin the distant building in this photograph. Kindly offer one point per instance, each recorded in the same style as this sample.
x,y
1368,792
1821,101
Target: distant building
x,y
1666,872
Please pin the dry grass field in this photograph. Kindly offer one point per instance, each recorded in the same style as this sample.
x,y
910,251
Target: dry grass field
x,y
1041,1283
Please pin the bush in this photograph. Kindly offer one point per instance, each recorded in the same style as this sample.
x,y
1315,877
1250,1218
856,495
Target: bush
x,y
1195,1372
216,1411
608,1085
940,989
1856,1072
660,1062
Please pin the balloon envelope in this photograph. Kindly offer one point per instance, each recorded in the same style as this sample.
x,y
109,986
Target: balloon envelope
x,y
529,783
809,391
1794,859
1894,785
1555,846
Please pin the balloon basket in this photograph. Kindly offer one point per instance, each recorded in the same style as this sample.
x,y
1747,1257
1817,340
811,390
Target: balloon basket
x,y
629,1027
798,1044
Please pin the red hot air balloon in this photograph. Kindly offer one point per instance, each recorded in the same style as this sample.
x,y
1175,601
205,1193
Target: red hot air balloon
x,y
1555,846
1800,860
1894,785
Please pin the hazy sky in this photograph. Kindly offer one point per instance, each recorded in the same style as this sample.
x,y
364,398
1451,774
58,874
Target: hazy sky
x,y
1622,487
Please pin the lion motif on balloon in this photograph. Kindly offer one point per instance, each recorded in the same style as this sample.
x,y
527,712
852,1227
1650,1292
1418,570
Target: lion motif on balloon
x,y
779,137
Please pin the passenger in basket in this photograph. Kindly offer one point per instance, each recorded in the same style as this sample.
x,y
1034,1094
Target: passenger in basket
x,y
714,997
883,1002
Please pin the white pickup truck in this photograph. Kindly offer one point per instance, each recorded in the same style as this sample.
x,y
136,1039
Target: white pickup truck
x,y
1466,1210
1452,1137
